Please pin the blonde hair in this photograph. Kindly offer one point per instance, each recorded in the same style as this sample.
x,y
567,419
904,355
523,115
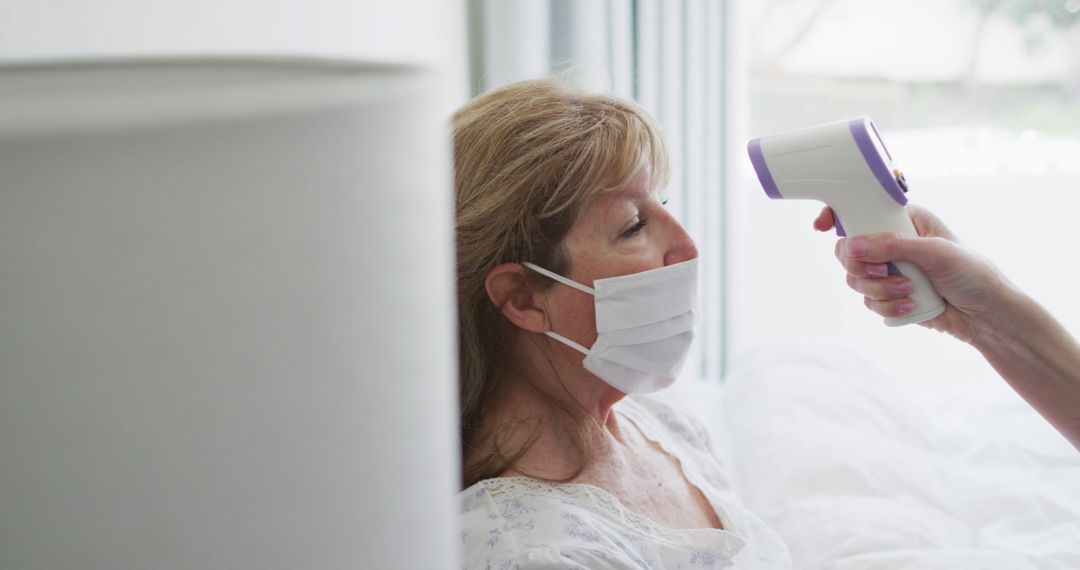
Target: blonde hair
x,y
526,158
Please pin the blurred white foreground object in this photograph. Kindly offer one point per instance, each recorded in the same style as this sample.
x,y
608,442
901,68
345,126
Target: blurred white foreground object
x,y
226,335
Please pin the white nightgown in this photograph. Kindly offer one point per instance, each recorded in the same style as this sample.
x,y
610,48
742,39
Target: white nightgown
x,y
522,523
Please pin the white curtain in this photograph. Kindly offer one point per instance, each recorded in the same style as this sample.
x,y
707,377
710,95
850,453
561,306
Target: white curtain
x,y
669,55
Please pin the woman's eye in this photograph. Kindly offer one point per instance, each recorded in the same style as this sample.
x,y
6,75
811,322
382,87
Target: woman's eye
x,y
634,229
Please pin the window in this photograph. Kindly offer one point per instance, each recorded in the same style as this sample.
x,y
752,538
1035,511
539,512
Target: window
x,y
979,103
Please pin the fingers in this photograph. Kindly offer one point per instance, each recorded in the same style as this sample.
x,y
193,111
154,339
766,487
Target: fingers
x,y
859,269
892,308
864,259
864,256
859,258
878,248
882,289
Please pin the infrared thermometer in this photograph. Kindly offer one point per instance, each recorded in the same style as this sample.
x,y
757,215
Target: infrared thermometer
x,y
846,165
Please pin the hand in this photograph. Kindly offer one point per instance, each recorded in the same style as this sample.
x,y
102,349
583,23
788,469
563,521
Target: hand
x,y
971,286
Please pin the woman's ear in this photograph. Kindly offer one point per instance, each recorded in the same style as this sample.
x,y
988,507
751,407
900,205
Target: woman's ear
x,y
508,288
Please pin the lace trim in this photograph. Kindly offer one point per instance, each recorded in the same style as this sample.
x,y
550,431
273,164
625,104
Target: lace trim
x,y
509,488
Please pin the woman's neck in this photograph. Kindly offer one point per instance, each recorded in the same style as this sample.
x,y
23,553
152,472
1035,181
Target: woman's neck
x,y
570,422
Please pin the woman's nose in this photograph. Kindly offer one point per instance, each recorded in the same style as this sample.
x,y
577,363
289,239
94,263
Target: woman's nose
x,y
682,246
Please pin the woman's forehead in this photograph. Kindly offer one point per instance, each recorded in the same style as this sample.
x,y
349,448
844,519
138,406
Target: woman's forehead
x,y
638,189
617,202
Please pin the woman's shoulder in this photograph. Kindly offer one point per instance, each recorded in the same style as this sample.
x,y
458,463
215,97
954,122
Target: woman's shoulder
x,y
521,523
518,522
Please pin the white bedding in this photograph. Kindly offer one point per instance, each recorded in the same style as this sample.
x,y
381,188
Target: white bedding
x,y
856,469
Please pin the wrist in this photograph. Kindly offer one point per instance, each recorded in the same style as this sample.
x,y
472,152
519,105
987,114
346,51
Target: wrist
x,y
1008,323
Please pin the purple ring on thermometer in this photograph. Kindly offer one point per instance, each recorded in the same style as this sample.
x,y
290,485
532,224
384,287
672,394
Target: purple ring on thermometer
x,y
873,158
757,158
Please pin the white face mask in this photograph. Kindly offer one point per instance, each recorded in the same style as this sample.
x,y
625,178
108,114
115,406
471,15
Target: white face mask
x,y
645,324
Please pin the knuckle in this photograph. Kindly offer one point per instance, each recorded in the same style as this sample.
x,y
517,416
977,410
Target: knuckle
x,y
944,253
873,270
942,244
889,243
880,291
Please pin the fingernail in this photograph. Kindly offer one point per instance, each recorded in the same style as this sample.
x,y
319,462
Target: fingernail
x,y
877,270
856,247
905,307
903,288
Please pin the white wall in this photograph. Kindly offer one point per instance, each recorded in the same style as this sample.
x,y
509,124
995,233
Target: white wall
x,y
430,32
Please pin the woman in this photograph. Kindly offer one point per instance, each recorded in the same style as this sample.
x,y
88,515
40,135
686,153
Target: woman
x,y
1020,339
575,288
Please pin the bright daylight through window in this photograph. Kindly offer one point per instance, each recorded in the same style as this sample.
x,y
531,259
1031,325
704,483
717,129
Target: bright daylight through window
x,y
979,103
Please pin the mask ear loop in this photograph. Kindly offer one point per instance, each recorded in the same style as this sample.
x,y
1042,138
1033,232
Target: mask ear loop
x,y
568,283
559,278
567,342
